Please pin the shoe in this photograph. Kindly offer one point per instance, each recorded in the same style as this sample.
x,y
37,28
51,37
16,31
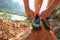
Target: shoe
x,y
46,23
36,23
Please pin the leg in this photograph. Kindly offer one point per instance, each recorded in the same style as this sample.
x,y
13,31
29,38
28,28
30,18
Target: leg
x,y
45,14
38,4
29,12
49,9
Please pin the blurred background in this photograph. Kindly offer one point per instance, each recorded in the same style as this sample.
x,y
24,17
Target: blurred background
x,y
14,9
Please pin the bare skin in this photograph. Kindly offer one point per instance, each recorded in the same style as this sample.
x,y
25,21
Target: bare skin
x,y
49,9
30,13
38,4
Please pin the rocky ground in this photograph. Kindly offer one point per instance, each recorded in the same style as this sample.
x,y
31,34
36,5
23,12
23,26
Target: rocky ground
x,y
13,29
55,24
57,32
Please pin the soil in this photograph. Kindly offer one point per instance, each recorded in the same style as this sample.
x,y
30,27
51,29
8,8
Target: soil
x,y
13,29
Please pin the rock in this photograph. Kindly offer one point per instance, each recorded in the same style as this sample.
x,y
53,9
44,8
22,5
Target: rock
x,y
11,29
57,31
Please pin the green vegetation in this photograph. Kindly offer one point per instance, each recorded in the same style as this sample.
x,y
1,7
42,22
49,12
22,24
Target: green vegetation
x,y
27,21
53,14
5,15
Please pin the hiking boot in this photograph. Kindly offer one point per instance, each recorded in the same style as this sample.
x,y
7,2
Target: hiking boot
x,y
46,23
36,23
